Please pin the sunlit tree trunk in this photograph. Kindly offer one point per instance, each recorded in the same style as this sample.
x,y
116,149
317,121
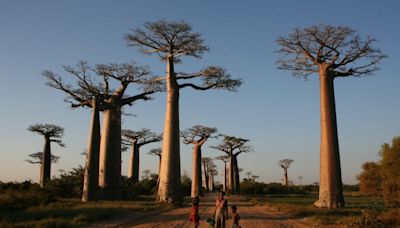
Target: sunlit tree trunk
x,y
110,155
231,175
206,181
211,182
224,178
331,189
133,170
91,178
45,169
196,171
170,176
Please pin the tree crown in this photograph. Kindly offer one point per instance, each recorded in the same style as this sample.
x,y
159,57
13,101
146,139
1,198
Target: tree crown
x,y
337,48
233,146
167,39
53,132
285,163
155,151
174,40
198,134
142,137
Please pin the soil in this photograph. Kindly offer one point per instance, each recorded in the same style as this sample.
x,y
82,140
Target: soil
x,y
253,216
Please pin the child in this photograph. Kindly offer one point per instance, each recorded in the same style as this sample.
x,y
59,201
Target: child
x,y
194,214
235,218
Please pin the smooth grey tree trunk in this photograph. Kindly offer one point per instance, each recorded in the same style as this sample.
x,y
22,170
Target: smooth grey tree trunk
x,y
331,188
45,169
170,176
91,177
110,156
196,171
133,167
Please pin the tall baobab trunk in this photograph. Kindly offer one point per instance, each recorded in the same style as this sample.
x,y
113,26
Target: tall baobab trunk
x,y
330,190
45,169
211,182
170,175
196,171
110,155
224,178
236,179
91,178
231,187
133,171
206,177
285,177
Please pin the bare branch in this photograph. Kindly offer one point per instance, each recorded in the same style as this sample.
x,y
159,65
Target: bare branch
x,y
339,49
142,137
198,134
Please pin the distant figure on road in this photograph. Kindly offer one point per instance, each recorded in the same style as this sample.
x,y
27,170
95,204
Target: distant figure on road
x,y
235,217
221,210
194,213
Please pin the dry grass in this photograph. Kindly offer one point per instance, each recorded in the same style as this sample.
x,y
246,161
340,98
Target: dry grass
x,y
65,213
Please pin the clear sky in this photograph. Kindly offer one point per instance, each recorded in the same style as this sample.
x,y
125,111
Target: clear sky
x,y
276,111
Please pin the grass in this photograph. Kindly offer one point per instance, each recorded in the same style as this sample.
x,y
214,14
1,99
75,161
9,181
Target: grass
x,y
360,211
71,212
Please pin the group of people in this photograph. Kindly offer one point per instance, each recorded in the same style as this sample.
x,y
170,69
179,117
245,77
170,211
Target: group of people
x,y
220,213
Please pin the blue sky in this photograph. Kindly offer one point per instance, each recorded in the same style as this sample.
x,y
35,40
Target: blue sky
x,y
276,111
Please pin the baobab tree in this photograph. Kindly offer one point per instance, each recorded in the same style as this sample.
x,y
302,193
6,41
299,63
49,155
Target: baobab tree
x,y
146,174
156,152
37,158
100,97
197,135
51,133
233,147
172,41
137,139
207,163
110,144
86,92
248,174
224,159
212,172
300,180
332,52
285,164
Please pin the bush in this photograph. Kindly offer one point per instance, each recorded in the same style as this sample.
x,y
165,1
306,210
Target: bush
x,y
257,188
132,190
68,185
21,199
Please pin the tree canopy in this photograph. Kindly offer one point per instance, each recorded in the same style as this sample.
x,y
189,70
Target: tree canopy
x,y
338,48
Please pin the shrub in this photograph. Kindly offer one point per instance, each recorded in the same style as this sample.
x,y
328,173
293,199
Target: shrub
x,y
68,185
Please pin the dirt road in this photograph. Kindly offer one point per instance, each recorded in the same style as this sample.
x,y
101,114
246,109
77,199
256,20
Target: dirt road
x,y
252,216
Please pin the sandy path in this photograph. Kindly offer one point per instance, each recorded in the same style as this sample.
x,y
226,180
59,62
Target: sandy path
x,y
251,216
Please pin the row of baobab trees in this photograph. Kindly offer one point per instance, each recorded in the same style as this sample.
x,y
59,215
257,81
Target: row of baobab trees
x,y
197,135
330,51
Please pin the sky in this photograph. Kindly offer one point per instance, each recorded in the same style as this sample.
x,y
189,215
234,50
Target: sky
x,y
277,112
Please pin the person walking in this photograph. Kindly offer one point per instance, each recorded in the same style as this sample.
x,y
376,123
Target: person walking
x,y
194,213
221,210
